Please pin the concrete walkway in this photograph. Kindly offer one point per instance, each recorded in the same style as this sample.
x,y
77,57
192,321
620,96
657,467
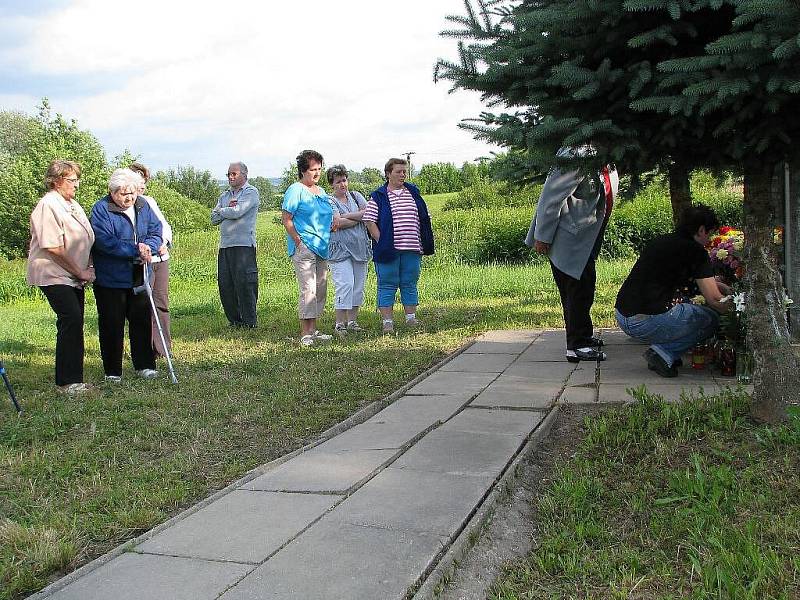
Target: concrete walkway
x,y
376,511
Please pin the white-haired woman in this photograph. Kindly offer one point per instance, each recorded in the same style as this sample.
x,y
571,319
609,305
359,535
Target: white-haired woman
x,y
127,234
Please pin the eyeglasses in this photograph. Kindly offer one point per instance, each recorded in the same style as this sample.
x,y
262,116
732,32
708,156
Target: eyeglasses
x,y
232,174
72,179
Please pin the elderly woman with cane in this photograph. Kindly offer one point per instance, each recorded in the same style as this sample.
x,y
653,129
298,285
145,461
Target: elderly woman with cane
x,y
348,251
127,234
59,264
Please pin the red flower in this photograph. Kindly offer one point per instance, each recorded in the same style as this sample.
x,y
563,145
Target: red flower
x,y
725,229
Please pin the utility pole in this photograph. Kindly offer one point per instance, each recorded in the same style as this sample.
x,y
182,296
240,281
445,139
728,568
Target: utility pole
x,y
408,160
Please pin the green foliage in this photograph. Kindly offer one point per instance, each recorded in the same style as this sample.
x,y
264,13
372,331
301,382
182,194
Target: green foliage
x,y
199,186
182,214
24,156
486,193
438,178
270,199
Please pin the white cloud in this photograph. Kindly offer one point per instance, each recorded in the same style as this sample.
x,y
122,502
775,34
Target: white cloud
x,y
258,80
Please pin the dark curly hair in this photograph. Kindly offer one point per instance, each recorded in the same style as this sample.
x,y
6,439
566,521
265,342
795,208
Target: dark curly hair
x,y
334,172
304,161
695,216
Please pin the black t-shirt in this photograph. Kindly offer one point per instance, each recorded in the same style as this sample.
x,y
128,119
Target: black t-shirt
x,y
668,263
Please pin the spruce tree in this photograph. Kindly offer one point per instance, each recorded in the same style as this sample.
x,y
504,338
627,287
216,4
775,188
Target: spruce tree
x,y
671,83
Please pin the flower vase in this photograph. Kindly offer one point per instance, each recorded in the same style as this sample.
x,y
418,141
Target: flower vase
x,y
744,364
727,359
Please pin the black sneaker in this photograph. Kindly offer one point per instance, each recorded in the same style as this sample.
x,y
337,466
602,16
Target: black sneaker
x,y
580,354
658,364
594,341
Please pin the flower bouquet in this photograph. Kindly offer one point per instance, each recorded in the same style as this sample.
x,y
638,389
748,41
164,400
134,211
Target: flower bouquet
x,y
725,250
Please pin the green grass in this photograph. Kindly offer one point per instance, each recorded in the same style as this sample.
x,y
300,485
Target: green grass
x,y
669,501
80,476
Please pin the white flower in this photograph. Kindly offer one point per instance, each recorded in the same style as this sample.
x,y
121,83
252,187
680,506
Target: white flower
x,y
738,301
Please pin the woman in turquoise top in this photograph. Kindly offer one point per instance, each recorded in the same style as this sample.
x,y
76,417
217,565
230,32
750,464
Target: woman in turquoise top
x,y
308,218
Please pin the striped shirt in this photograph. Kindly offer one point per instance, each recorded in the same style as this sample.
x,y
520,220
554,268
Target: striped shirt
x,y
404,218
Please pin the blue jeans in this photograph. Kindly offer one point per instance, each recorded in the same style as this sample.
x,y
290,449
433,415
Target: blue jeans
x,y
403,273
673,332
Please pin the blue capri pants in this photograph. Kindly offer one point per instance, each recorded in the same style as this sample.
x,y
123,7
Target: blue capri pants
x,y
401,273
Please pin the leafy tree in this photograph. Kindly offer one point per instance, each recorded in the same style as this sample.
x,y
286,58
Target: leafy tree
x,y
289,176
197,185
27,147
266,191
438,178
670,84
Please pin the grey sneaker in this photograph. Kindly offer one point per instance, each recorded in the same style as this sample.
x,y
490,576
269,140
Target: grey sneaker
x,y
322,337
340,330
415,322
113,378
74,389
354,326
307,340
388,326
147,373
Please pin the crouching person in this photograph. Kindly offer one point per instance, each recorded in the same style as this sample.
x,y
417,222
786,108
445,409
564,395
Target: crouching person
x,y
644,308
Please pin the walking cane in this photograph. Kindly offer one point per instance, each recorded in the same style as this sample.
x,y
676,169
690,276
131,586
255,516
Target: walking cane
x,y
9,388
145,287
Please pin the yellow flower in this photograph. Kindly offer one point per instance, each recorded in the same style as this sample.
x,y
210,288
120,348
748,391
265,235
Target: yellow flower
x,y
738,245
699,299
722,254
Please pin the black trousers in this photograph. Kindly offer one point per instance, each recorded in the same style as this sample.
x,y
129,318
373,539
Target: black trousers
x,y
114,307
237,277
67,302
577,297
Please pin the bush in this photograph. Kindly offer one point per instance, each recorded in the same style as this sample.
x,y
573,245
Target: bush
x,y
182,214
486,193
199,186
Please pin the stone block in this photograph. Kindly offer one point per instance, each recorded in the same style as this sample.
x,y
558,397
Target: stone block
x,y
542,371
584,374
134,576
579,395
479,363
494,420
372,435
243,526
314,471
426,410
414,501
342,561
518,392
452,383
460,453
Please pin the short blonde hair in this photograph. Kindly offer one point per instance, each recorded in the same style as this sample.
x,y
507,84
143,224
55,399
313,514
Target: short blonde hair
x,y
57,169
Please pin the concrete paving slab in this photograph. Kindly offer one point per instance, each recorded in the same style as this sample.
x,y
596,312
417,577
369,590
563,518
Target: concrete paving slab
x,y
134,576
518,392
494,420
333,560
670,393
460,453
243,526
579,395
480,363
510,335
314,471
421,409
452,383
414,501
375,436
489,347
584,374
542,371
544,351
616,337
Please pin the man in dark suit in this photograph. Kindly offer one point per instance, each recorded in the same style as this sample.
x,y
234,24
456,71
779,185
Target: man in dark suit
x,y
568,227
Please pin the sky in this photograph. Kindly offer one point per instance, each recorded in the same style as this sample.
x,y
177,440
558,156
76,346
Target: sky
x,y
204,83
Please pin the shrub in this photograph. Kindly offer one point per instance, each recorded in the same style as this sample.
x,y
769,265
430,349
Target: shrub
x,y
487,193
192,183
183,214
438,178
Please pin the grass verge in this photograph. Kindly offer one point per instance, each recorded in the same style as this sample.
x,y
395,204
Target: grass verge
x,y
686,500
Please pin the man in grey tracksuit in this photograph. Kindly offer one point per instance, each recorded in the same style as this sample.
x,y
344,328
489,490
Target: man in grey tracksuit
x,y
568,227
237,271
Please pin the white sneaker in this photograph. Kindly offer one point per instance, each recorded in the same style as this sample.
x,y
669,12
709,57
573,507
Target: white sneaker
x,y
322,337
354,326
307,340
147,373
74,389
113,378
388,326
